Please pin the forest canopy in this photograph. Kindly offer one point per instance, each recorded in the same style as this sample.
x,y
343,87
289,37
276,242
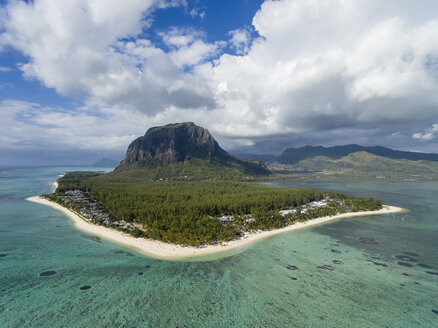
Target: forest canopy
x,y
181,204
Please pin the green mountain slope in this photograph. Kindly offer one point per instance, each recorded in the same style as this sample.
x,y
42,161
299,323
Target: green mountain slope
x,y
294,155
364,164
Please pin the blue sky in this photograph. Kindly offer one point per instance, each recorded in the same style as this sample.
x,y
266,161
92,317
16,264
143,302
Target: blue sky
x,y
80,80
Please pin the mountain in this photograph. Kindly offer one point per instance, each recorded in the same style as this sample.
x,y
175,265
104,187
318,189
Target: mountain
x,y
106,162
176,183
183,143
363,164
294,155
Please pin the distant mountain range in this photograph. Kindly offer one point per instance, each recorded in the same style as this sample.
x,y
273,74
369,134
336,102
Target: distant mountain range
x,y
355,160
294,155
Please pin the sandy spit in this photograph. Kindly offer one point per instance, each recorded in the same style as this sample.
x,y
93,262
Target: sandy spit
x,y
163,250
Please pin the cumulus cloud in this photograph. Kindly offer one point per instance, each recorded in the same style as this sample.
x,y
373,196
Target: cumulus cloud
x,y
428,134
187,47
320,71
240,40
330,66
85,48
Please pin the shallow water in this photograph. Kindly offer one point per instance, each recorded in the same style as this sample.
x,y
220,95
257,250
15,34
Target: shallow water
x,y
253,287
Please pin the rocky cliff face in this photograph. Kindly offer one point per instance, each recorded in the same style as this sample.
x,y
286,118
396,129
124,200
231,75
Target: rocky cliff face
x,y
174,143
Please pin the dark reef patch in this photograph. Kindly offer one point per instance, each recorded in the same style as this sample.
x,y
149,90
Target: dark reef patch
x,y
378,263
337,262
47,273
119,251
292,267
93,238
368,241
411,253
409,265
85,287
406,258
432,273
325,267
424,266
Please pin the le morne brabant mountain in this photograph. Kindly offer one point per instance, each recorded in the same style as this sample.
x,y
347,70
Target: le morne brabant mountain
x,y
178,143
176,184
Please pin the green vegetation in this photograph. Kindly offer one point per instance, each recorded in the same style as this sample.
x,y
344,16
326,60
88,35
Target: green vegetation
x,y
73,180
180,203
294,155
194,169
363,164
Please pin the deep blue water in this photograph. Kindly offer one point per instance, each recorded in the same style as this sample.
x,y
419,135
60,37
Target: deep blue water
x,y
359,282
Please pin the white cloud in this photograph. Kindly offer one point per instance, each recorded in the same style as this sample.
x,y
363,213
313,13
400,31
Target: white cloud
x,y
328,65
197,12
188,48
25,125
180,37
195,53
318,68
79,47
428,134
240,40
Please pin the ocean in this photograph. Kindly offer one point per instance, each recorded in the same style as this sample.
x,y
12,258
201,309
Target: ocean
x,y
377,271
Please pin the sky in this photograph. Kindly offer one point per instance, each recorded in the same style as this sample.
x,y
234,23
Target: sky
x,y
80,79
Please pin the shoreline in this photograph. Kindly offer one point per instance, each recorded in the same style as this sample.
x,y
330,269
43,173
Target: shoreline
x,y
162,250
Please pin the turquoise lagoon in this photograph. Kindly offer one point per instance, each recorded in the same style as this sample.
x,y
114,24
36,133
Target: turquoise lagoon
x,y
377,271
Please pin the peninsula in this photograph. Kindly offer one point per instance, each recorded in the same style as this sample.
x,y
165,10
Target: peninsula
x,y
178,194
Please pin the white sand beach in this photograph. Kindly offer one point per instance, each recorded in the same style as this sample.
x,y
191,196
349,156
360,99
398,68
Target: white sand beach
x,y
163,250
